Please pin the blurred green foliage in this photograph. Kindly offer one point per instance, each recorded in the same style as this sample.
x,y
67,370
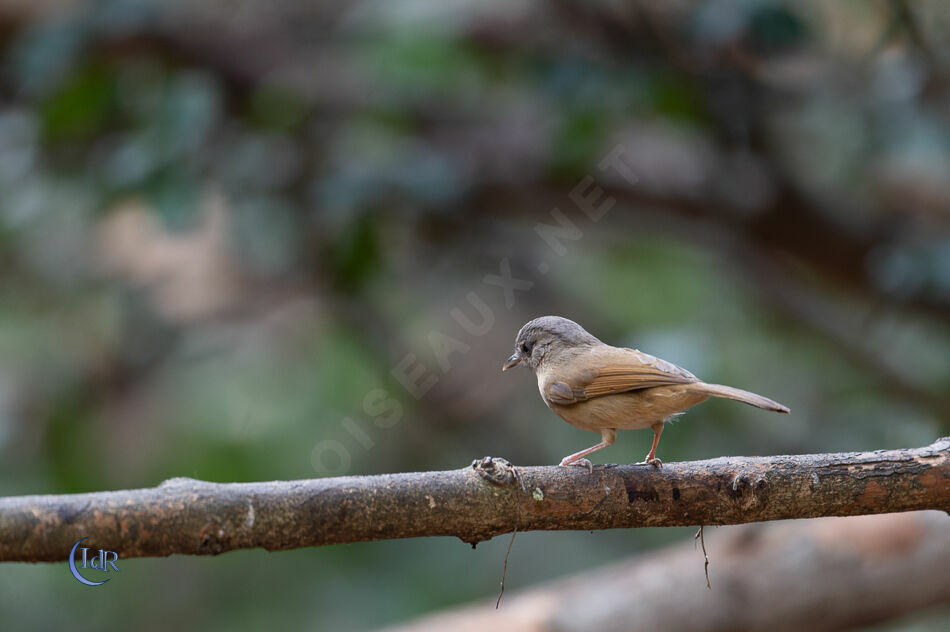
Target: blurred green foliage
x,y
222,226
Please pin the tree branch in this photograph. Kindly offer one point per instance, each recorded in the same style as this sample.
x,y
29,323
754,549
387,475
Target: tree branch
x,y
201,518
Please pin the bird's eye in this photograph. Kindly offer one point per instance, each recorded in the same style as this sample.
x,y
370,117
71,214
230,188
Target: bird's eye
x,y
525,349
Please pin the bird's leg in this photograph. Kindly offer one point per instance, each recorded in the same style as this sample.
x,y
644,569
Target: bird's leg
x,y
608,435
651,458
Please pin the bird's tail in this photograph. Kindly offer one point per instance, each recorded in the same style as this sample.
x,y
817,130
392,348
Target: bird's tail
x,y
718,390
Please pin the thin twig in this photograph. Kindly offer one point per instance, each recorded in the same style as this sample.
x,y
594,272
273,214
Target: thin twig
x,y
514,532
702,540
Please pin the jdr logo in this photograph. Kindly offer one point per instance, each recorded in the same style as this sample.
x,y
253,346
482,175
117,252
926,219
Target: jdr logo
x,y
100,562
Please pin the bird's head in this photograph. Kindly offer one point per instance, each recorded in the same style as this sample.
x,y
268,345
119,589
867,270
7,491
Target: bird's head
x,y
544,336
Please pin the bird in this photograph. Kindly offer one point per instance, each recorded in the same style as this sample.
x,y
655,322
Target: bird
x,y
595,386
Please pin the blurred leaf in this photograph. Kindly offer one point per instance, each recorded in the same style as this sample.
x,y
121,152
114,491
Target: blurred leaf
x,y
355,254
675,97
44,54
82,107
276,109
774,28
576,143
188,110
410,62
72,450
680,275
174,194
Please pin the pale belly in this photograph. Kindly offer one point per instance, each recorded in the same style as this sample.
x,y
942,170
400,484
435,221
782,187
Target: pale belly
x,y
630,411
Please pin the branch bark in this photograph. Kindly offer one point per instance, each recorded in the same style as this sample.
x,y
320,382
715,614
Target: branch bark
x,y
194,517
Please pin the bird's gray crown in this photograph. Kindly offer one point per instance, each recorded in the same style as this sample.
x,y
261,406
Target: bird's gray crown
x,y
547,336
554,327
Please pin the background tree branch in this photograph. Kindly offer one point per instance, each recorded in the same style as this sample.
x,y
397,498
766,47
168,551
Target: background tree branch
x,y
201,518
800,575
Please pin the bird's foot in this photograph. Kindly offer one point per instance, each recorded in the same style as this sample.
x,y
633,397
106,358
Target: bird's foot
x,y
578,462
655,462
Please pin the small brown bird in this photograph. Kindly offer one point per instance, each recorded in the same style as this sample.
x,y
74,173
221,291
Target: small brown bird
x,y
601,388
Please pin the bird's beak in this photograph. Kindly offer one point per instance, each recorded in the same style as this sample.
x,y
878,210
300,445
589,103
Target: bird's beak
x,y
514,360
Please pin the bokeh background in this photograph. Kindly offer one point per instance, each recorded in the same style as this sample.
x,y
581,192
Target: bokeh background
x,y
223,224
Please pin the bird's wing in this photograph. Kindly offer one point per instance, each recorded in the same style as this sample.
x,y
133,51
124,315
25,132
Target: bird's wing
x,y
611,370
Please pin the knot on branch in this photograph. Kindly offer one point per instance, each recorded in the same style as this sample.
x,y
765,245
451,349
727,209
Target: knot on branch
x,y
496,471
213,540
749,491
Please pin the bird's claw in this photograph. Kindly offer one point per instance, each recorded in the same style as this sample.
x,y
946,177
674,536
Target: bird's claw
x,y
580,463
655,462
